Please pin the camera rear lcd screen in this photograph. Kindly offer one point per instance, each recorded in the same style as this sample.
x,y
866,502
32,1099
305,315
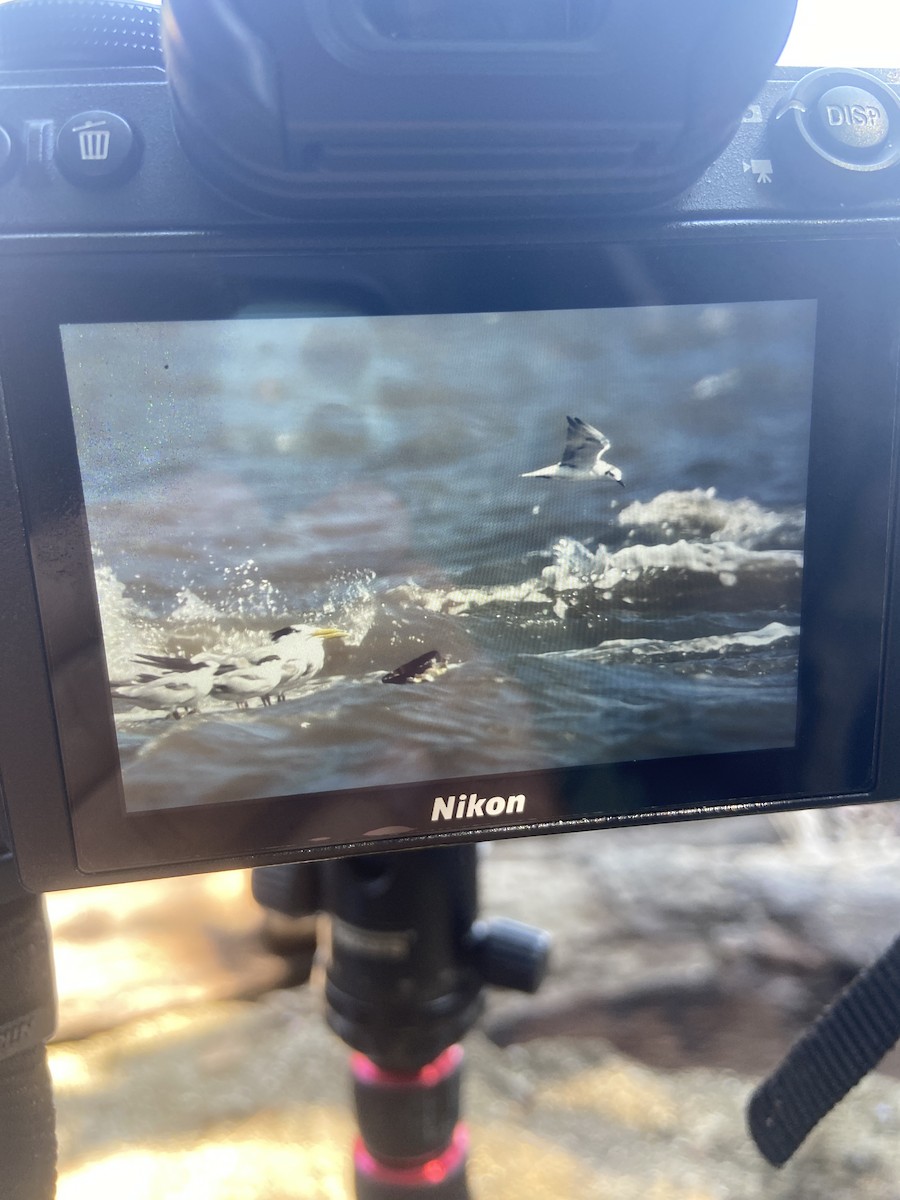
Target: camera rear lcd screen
x,y
342,552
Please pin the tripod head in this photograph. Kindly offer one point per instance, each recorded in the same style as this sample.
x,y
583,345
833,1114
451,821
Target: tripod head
x,y
406,960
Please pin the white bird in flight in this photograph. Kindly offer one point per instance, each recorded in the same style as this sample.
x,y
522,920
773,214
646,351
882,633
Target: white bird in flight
x,y
582,458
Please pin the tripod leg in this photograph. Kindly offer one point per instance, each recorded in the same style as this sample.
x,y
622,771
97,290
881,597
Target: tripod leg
x,y
407,963
411,1143
404,982
401,987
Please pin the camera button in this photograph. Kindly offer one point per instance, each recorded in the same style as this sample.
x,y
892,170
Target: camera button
x,y
852,118
838,133
96,149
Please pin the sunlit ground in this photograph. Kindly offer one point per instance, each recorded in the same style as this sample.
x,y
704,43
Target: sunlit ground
x,y
239,1102
184,1092
176,1111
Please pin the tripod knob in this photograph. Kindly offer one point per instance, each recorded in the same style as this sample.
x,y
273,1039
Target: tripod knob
x,y
291,889
509,954
289,896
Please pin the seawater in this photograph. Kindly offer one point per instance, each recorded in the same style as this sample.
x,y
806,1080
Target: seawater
x,y
368,475
598,656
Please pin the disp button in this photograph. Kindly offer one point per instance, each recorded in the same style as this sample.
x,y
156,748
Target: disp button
x,y
853,118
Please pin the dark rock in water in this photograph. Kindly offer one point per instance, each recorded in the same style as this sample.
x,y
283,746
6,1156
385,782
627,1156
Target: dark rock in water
x,y
418,670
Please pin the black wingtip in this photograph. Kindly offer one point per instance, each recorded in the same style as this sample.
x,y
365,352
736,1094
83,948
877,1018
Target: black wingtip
x,y
280,633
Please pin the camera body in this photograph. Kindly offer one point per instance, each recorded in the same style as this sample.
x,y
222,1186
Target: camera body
x,y
302,556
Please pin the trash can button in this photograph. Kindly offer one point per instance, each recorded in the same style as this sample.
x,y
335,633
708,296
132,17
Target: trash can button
x,y
96,149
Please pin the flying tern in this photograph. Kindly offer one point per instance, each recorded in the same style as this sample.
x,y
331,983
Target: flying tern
x,y
582,458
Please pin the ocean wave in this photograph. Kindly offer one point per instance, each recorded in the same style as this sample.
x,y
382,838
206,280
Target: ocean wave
x,y
674,575
650,587
701,515
575,566
775,635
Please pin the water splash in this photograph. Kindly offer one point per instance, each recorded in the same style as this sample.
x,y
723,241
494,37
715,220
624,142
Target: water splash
x,y
701,514
576,569
229,616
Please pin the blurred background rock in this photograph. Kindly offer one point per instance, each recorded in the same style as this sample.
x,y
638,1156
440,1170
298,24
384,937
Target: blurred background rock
x,y
686,960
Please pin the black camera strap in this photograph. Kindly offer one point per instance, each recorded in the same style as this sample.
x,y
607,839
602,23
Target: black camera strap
x,y
848,1040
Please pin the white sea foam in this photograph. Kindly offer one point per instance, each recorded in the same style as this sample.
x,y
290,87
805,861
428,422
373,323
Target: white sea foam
x,y
701,514
577,570
713,646
575,567
456,601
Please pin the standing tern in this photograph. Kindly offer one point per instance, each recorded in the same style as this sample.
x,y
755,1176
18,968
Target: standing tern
x,y
181,688
242,680
582,458
299,649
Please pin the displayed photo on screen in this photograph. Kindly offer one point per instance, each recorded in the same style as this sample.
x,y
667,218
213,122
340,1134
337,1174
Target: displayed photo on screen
x,y
341,552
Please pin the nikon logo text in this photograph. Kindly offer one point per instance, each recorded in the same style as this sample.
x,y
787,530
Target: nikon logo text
x,y
465,808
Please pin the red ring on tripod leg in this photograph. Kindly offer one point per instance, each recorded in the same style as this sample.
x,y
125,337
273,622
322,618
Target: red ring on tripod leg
x,y
431,1174
433,1073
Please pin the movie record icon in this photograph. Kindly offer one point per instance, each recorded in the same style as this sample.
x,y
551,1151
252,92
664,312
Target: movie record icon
x,y
96,149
